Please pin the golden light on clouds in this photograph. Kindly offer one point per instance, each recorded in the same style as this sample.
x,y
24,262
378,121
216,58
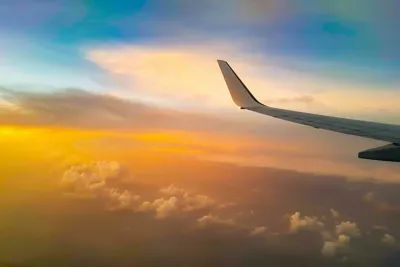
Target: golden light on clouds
x,y
189,75
30,151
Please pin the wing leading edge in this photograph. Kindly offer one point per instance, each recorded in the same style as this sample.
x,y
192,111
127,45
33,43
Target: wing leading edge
x,y
243,98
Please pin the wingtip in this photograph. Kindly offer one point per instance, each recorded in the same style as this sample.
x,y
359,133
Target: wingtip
x,y
241,96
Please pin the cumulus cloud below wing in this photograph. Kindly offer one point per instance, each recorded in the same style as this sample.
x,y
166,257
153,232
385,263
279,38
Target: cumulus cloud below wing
x,y
181,201
91,176
162,207
348,228
335,213
335,242
194,202
298,223
332,248
97,179
122,200
258,231
388,239
92,179
210,219
157,215
172,190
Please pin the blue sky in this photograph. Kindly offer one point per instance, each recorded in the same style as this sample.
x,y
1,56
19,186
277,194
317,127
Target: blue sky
x,y
357,42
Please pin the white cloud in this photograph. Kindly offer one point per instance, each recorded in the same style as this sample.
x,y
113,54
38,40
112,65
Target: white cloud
x,y
335,213
388,240
348,228
307,223
258,231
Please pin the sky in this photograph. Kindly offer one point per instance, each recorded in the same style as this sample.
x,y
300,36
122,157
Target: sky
x,y
121,144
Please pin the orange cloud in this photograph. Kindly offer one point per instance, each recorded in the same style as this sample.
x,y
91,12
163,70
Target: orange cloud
x,y
187,75
74,125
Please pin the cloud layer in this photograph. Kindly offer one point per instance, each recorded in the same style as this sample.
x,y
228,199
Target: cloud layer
x,y
112,209
185,74
213,136
333,236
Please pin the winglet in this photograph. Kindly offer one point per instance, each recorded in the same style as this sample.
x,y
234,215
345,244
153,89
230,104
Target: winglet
x,y
238,90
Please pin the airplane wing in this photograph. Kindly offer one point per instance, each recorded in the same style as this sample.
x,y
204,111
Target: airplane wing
x,y
373,130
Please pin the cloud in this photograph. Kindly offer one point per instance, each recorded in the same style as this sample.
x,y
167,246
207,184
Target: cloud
x,y
179,68
181,201
335,213
97,179
192,232
332,245
228,205
307,99
189,131
258,230
77,108
331,249
379,204
210,219
348,228
162,207
388,240
195,202
172,190
334,242
186,71
80,109
122,199
84,178
369,197
298,223
94,180
187,75
189,200
380,228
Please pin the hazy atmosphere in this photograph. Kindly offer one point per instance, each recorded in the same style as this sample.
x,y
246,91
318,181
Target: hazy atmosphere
x,y
121,146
